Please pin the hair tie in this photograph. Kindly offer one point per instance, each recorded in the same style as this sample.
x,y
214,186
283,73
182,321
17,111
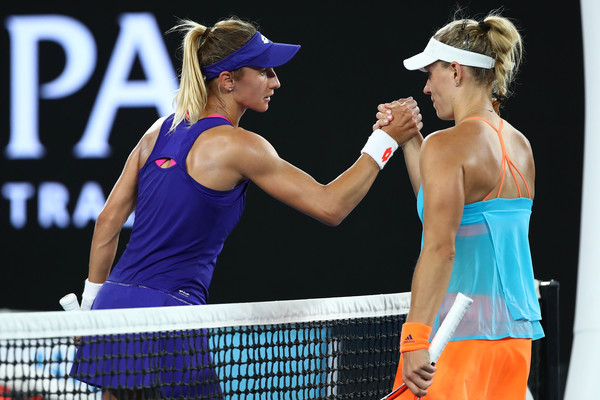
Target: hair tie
x,y
204,36
467,42
484,26
500,98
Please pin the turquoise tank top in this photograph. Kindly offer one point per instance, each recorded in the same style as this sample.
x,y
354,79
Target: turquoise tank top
x,y
493,266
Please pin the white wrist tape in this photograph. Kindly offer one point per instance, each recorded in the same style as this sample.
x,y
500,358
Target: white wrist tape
x,y
380,147
90,290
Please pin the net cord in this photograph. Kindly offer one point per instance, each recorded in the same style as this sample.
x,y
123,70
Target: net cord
x,y
49,324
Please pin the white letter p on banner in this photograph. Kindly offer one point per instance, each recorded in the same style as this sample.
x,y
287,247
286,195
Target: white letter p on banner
x,y
26,31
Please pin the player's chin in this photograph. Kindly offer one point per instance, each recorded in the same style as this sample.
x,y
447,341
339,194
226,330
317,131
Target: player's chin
x,y
262,107
444,116
441,114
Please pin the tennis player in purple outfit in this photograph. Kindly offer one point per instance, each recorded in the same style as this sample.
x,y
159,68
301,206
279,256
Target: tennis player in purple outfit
x,y
186,180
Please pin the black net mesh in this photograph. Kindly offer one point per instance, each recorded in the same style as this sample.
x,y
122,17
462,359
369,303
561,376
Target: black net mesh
x,y
341,348
338,359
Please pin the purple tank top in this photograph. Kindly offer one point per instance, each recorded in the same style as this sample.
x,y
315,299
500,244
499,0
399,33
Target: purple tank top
x,y
180,226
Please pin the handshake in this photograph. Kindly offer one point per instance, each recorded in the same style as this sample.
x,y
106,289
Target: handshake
x,y
397,123
401,119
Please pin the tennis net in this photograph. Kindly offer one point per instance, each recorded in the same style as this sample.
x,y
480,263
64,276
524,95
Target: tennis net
x,y
340,348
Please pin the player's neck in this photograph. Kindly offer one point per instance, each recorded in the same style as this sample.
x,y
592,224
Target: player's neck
x,y
221,108
480,107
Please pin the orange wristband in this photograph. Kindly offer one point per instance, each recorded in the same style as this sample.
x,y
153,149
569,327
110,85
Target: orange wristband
x,y
414,336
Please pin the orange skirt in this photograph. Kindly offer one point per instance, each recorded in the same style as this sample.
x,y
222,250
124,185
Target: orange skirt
x,y
478,369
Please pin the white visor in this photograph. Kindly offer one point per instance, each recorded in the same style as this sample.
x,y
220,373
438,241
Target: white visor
x,y
436,50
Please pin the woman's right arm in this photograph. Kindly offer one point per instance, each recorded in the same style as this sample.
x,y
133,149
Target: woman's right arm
x,y
258,161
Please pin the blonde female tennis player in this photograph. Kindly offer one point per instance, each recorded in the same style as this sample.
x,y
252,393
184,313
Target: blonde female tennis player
x,y
475,186
186,180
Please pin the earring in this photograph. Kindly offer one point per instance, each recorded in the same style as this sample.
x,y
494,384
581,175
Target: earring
x,y
455,83
230,89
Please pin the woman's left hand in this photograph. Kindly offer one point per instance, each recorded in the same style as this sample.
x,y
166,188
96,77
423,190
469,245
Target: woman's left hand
x,y
417,371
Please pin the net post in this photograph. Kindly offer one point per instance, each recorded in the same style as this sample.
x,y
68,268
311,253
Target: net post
x,y
549,302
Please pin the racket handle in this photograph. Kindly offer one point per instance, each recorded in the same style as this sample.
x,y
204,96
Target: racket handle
x,y
397,392
69,302
449,325
442,336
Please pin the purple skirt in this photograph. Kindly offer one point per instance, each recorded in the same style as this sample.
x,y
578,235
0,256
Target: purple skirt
x,y
162,364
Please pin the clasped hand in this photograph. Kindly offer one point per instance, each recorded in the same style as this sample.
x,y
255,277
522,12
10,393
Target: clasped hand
x,y
400,119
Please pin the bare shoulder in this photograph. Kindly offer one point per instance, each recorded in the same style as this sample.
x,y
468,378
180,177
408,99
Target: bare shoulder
x,y
438,138
516,134
445,143
230,141
224,155
251,140
520,151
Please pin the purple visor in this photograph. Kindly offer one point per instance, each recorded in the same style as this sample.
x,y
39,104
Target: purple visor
x,y
257,52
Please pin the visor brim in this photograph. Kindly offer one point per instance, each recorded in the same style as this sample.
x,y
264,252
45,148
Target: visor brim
x,y
275,56
436,50
419,62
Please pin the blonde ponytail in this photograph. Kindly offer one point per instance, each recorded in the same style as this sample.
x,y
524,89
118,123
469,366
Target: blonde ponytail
x,y
204,46
192,95
506,42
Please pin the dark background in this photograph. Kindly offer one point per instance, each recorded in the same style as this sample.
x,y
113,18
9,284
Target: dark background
x,y
350,61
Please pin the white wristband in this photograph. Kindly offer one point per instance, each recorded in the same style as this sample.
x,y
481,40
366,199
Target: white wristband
x,y
90,290
380,147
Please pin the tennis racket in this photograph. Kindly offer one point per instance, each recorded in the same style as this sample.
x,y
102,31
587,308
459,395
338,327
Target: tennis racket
x,y
442,337
70,303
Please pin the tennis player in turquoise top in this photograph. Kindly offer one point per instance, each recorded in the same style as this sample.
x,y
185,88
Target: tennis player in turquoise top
x,y
475,185
187,178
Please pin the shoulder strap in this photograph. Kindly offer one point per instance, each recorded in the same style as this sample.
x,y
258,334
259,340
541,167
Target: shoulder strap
x,y
188,135
498,130
176,144
506,161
